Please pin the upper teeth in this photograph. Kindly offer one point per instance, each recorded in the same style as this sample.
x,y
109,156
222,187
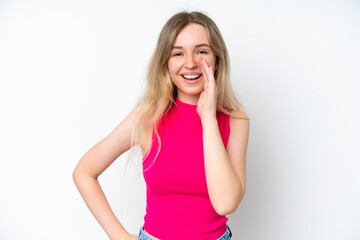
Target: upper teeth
x,y
191,76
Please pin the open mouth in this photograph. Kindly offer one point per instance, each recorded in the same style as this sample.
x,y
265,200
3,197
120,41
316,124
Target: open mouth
x,y
191,77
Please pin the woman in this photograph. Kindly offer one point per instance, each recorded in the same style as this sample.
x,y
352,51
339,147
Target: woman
x,y
192,135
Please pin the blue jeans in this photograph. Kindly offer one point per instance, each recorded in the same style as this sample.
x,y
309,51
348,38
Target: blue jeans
x,y
145,236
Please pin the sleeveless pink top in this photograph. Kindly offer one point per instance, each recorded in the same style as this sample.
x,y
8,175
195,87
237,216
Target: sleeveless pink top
x,y
178,204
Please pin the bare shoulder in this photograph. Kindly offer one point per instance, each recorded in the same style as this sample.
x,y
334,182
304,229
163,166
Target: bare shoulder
x,y
239,123
126,126
237,114
119,139
239,136
102,154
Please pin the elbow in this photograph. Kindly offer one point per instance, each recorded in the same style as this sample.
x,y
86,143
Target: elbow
x,y
78,175
226,210
75,176
229,207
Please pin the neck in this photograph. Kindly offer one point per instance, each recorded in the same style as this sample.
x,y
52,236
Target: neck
x,y
189,99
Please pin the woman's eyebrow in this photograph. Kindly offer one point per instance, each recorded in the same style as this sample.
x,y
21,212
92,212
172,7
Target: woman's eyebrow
x,y
196,46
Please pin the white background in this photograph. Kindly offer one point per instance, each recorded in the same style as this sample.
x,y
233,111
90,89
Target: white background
x,y
71,70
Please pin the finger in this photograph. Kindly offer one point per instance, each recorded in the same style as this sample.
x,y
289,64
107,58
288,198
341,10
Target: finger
x,y
204,69
206,86
204,63
201,66
205,66
211,73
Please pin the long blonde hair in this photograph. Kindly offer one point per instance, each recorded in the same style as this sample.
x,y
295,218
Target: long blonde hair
x,y
160,92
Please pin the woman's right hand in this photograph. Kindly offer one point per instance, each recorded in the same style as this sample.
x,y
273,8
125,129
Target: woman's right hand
x,y
94,163
129,236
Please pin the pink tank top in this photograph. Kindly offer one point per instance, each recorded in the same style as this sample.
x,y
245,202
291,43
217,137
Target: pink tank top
x,y
178,204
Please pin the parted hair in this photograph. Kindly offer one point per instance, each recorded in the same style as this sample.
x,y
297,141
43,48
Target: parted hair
x,y
160,91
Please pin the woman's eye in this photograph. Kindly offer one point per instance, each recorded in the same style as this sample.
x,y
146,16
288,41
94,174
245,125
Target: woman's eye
x,y
177,54
202,52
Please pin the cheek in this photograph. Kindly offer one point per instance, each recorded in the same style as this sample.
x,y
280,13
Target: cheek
x,y
174,67
210,61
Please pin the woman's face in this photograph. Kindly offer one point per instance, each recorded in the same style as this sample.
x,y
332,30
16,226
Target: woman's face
x,y
191,44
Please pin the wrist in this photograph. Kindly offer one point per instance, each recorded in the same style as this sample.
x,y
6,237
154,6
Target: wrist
x,y
209,121
120,236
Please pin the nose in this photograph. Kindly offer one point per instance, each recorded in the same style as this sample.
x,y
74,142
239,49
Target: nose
x,y
191,62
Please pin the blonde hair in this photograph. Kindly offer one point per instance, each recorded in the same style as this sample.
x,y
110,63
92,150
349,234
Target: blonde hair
x,y
160,92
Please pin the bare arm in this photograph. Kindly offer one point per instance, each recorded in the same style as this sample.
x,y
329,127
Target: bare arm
x,y
89,168
226,168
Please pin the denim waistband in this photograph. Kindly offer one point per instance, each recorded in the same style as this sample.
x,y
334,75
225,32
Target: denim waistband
x,y
145,236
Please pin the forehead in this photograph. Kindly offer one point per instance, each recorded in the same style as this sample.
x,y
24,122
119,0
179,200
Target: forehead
x,y
192,34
